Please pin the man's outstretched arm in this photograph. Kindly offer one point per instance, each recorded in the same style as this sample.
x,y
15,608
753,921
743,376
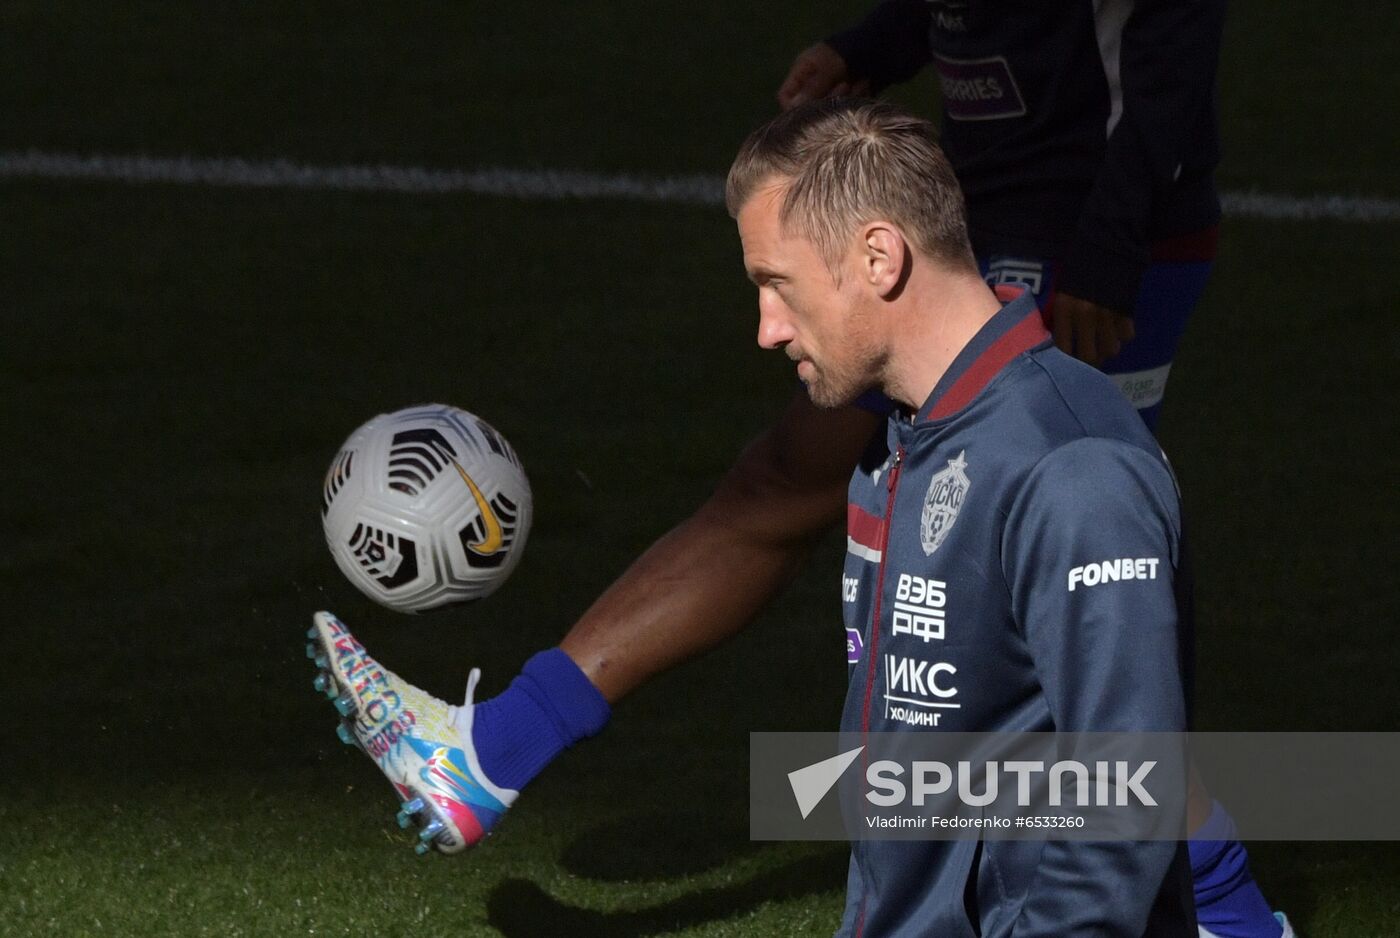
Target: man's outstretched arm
x,y
707,578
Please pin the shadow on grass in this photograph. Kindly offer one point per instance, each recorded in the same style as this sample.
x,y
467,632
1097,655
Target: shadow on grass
x,y
520,909
657,846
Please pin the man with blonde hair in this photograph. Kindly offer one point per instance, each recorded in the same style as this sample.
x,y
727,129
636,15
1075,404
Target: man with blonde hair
x,y
1005,464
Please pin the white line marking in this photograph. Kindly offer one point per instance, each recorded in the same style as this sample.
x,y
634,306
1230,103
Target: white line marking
x,y
535,184
284,174
1307,208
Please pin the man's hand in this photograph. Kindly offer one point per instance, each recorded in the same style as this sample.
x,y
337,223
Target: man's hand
x,y
1089,332
819,72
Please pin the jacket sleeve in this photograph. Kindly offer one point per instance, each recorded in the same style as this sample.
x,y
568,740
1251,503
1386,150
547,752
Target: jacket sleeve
x,y
890,45
1161,67
1106,650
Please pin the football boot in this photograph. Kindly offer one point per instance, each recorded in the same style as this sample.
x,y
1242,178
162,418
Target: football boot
x,y
414,739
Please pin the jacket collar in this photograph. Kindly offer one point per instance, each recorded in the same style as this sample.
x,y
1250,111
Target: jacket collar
x,y
1017,328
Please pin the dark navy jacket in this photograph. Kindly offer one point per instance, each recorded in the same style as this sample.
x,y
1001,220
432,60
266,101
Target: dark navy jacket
x,y
1011,558
1082,130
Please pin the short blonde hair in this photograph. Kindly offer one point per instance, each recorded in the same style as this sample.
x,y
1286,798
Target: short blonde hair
x,y
849,161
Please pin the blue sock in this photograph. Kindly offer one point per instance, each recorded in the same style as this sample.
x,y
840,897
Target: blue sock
x,y
550,706
1228,901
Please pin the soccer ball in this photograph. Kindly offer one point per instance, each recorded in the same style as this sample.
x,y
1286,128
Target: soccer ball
x,y
425,507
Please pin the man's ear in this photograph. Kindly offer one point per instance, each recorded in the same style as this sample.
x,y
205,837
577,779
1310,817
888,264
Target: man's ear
x,y
884,257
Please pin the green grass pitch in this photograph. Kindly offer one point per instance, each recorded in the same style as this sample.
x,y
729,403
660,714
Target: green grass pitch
x,y
179,364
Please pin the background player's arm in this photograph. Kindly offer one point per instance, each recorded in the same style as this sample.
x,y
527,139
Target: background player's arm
x,y
819,71
706,578
887,47
1166,67
1108,656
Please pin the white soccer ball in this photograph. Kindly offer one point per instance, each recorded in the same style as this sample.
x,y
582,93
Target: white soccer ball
x,y
426,506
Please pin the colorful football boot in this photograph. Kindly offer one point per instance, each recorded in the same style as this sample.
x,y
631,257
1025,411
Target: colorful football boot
x,y
414,739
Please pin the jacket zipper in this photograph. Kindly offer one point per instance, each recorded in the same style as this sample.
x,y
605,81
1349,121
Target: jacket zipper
x,y
873,648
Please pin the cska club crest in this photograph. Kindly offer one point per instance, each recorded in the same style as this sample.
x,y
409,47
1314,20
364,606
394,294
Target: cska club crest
x,y
946,492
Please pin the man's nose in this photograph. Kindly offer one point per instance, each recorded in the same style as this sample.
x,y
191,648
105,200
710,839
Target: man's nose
x,y
774,326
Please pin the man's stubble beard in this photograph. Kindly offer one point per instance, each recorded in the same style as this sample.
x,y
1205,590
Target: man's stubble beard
x,y
838,384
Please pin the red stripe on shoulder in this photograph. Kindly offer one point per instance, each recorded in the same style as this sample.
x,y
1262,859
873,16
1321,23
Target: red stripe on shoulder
x,y
1026,334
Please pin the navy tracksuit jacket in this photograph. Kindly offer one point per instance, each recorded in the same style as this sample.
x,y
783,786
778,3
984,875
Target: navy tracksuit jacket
x,y
1011,557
